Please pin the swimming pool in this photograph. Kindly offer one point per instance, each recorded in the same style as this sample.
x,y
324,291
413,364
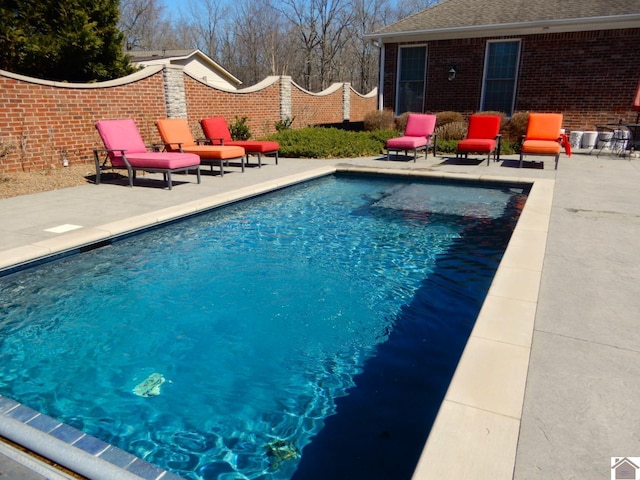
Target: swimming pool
x,y
416,240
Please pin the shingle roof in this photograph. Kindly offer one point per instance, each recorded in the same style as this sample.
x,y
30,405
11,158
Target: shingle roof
x,y
456,14
145,55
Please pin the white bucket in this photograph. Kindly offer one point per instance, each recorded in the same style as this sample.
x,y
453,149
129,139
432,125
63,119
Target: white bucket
x,y
604,140
589,139
575,139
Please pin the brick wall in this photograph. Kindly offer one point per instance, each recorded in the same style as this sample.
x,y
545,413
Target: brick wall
x,y
46,122
312,108
590,77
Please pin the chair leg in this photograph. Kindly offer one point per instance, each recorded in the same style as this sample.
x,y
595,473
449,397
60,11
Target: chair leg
x,y
168,176
259,160
198,173
557,159
520,160
276,157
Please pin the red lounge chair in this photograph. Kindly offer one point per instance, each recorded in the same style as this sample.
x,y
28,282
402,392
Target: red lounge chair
x,y
217,132
417,136
543,136
124,148
483,136
177,137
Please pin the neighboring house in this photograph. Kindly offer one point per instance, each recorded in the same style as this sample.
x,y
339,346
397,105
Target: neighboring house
x,y
195,63
577,57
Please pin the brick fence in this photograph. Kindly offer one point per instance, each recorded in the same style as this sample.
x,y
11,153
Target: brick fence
x,y
44,123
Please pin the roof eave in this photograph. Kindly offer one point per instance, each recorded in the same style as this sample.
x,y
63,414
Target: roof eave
x,y
528,28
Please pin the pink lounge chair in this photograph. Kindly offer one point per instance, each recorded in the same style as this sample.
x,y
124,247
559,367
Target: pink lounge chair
x,y
216,131
417,136
177,137
483,136
125,148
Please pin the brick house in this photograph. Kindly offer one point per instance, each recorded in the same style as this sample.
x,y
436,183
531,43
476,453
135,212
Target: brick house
x,y
577,57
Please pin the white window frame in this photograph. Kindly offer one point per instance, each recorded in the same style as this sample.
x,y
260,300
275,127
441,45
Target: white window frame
x,y
515,78
424,75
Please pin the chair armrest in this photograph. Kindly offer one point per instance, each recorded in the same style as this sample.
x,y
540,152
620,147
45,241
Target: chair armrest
x,y
219,140
158,147
168,146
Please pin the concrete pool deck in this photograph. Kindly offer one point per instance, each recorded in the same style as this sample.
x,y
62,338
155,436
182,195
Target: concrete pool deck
x,y
562,334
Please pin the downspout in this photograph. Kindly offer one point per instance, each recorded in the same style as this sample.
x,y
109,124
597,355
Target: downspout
x,y
381,56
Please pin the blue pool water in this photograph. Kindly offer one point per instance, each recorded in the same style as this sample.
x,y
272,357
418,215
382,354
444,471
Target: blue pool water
x,y
309,333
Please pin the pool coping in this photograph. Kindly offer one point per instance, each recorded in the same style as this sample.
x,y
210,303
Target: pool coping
x,y
476,430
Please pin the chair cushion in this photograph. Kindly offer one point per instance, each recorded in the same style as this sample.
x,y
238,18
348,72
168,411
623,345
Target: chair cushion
x,y
483,126
175,131
251,146
214,152
544,126
477,145
541,147
120,135
406,143
163,160
216,127
420,125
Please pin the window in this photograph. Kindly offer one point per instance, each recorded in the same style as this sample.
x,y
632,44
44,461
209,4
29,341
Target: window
x,y
500,74
412,64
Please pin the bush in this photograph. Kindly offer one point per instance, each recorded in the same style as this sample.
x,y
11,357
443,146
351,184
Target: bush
x,y
444,118
239,129
401,121
379,120
452,131
313,142
516,127
284,124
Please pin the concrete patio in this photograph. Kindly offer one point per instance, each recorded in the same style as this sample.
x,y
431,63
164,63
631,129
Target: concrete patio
x,y
582,383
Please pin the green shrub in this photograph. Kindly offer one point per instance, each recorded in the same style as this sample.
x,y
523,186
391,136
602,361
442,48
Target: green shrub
x,y
239,129
379,120
314,142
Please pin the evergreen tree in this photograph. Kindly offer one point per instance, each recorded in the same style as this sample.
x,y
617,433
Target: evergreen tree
x,y
68,40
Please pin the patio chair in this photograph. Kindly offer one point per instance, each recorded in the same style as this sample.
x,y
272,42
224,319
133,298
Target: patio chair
x,y
542,136
483,136
124,148
217,132
177,137
418,135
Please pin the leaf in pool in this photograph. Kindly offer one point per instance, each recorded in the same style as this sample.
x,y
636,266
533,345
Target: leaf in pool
x,y
150,387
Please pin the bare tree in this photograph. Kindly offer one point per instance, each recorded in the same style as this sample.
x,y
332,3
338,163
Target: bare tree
x,y
206,20
320,26
144,25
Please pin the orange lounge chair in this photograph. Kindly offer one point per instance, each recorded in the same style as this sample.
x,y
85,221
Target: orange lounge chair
x,y
483,136
177,137
125,148
217,132
542,136
418,136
